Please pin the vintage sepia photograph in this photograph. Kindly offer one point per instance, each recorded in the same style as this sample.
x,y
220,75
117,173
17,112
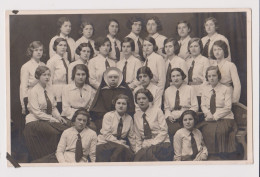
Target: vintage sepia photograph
x,y
121,87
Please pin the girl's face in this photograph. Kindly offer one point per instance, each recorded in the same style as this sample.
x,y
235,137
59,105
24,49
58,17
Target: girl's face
x,y
218,52
210,27
61,48
113,28
137,27
121,106
80,122
45,77
85,53
113,78
144,79
80,77
169,49
148,47
212,77
104,49
176,78
126,48
151,27
194,49
188,122
183,30
65,28
87,31
142,101
37,53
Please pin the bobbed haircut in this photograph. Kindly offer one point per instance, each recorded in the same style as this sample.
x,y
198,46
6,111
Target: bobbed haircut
x,y
82,45
33,45
121,96
144,70
189,112
109,22
57,41
175,43
131,21
101,41
80,67
146,92
152,41
221,44
157,21
84,24
60,22
214,21
131,41
183,75
81,111
195,40
40,70
187,24
210,68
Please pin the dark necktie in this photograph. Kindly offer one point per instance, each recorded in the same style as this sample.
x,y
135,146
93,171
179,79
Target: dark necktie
x,y
119,129
140,50
107,64
213,102
124,71
193,146
117,52
180,45
168,76
205,51
69,52
49,105
79,149
147,129
177,101
66,67
190,72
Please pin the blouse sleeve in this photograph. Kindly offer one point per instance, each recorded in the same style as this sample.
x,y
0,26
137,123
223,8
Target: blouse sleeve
x,y
24,85
157,102
92,74
236,83
161,74
135,82
131,136
51,66
61,148
167,108
177,146
204,106
67,110
205,67
92,151
193,100
51,51
138,138
163,132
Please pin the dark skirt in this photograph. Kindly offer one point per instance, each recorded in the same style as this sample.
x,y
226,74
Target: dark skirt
x,y
173,127
219,136
113,152
42,137
159,152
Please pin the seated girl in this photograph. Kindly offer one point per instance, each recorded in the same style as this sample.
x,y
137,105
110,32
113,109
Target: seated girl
x,y
117,134
112,85
152,140
188,141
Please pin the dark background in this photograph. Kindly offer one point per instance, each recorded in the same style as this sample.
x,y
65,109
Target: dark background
x,y
27,28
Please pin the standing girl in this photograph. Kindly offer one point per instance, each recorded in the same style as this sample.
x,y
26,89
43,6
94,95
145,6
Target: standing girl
x,y
184,30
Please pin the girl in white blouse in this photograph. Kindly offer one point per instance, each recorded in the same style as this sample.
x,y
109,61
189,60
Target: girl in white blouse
x,y
219,127
178,98
116,141
64,29
155,62
35,52
152,140
183,29
228,70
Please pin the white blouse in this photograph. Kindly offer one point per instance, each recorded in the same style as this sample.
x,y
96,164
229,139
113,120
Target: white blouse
x,y
184,53
112,54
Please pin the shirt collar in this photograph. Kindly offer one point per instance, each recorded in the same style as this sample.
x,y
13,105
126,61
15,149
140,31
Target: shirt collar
x,y
155,35
111,39
118,116
213,36
187,132
65,37
74,87
187,39
133,36
34,62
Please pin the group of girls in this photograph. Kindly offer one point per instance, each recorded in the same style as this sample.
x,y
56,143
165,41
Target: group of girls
x,y
131,100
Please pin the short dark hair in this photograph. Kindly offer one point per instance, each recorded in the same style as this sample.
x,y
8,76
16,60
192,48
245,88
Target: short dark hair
x,y
185,22
189,112
152,41
175,44
109,22
157,21
195,40
33,45
121,96
146,92
57,41
221,44
144,70
101,41
131,41
213,68
131,21
81,111
40,70
80,67
180,71
84,24
82,45
60,22
214,21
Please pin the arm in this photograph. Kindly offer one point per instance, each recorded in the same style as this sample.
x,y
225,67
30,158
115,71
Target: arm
x,y
67,110
157,99
205,67
193,100
61,148
23,86
167,108
161,74
184,68
131,136
51,66
92,74
135,82
92,151
236,83
177,146
51,51
138,138
70,71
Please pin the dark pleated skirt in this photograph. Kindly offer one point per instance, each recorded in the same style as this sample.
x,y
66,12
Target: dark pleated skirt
x,y
42,137
219,136
159,152
172,129
113,152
